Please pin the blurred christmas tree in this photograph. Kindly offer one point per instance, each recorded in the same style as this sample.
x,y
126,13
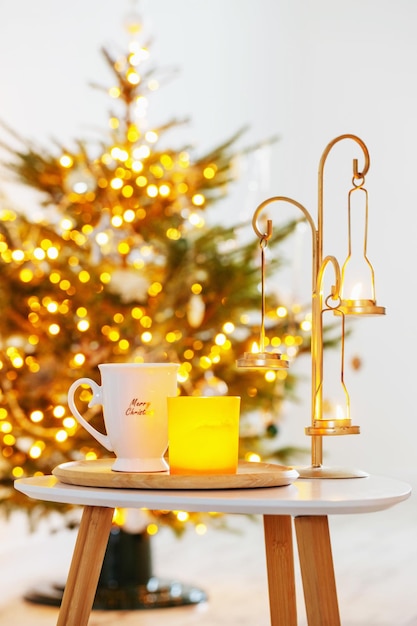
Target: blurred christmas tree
x,y
124,267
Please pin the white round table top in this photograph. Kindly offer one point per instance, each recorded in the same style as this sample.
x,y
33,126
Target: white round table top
x,y
303,497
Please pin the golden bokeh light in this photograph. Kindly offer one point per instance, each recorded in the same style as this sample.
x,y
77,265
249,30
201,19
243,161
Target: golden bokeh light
x,y
127,270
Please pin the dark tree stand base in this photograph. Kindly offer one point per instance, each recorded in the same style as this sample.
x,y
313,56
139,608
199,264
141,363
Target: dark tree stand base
x,y
157,594
126,581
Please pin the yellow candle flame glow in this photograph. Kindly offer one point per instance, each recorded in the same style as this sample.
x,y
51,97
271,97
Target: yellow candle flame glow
x,y
340,414
356,291
255,348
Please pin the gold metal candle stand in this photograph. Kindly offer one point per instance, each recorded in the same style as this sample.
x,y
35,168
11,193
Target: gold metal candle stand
x,y
348,296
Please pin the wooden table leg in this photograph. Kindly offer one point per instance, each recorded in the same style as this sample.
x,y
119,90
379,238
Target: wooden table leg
x,y
280,566
86,564
317,572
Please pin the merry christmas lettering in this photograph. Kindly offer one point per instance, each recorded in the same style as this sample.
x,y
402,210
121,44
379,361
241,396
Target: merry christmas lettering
x,y
138,407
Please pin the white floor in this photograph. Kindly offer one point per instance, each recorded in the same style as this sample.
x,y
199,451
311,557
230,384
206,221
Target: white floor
x,y
375,558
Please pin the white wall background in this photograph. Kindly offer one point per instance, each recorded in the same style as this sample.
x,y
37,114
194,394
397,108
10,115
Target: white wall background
x,y
307,70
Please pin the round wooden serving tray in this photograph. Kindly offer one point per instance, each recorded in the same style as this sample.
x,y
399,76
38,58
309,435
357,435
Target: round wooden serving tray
x,y
98,473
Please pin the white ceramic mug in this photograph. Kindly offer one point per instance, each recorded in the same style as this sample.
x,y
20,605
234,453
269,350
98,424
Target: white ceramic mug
x,y
134,400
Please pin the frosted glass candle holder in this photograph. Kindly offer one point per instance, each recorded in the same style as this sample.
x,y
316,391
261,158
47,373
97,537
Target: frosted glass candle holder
x,y
203,433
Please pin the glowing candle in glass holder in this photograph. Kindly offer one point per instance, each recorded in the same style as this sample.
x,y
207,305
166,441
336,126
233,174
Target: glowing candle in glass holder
x,y
358,281
203,434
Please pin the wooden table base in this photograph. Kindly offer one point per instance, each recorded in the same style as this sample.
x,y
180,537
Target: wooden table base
x,y
316,564
317,572
315,556
280,566
87,560
308,502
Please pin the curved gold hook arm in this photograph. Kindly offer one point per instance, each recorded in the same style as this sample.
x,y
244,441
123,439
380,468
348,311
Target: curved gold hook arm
x,y
268,201
335,293
356,174
359,141
268,234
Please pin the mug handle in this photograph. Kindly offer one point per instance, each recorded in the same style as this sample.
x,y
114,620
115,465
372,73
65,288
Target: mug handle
x,y
96,399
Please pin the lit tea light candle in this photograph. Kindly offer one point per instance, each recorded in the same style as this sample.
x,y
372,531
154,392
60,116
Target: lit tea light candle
x,y
340,412
259,359
340,421
356,292
361,301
